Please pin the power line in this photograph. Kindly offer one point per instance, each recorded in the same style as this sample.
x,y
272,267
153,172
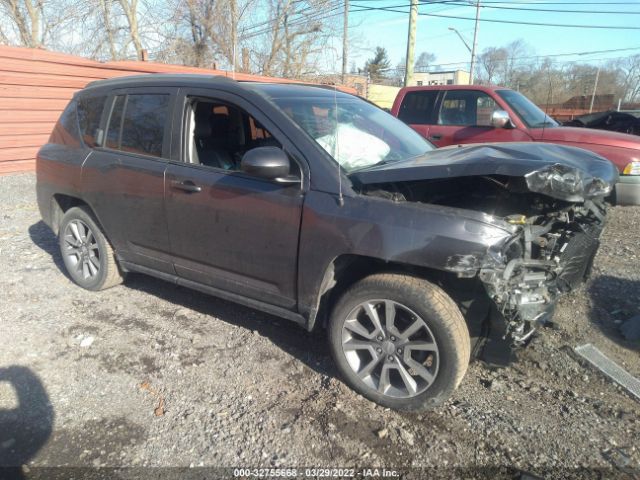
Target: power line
x,y
334,4
453,2
521,59
317,16
501,7
554,3
490,20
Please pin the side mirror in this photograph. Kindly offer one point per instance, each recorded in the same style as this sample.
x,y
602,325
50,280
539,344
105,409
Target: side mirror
x,y
266,162
501,119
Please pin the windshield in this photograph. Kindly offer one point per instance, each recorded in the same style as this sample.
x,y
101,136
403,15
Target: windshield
x,y
528,111
365,135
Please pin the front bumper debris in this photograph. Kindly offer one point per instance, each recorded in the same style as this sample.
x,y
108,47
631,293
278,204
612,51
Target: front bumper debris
x,y
544,260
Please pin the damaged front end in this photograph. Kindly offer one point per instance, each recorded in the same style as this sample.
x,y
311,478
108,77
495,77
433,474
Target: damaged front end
x,y
552,198
550,255
553,251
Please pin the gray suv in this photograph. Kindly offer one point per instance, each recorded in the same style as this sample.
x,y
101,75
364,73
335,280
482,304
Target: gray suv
x,y
321,208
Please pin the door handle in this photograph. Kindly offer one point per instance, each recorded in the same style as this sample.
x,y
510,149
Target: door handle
x,y
187,186
436,136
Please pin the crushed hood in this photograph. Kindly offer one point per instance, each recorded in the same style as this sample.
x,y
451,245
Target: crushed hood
x,y
567,173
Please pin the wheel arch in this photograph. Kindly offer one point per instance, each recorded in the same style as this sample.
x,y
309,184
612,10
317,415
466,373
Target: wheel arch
x,y
61,203
346,270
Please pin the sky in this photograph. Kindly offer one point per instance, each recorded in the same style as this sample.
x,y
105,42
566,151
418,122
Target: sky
x,y
388,29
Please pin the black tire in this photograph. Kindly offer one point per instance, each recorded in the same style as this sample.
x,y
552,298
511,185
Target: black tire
x,y
90,264
410,299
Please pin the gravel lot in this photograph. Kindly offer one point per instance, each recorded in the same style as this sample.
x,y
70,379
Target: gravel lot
x,y
83,375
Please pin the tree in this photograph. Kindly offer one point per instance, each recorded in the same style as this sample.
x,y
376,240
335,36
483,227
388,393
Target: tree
x,y
491,60
287,41
24,21
295,38
378,66
425,59
628,73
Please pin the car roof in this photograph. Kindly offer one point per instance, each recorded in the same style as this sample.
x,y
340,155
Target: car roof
x,y
275,90
482,88
158,79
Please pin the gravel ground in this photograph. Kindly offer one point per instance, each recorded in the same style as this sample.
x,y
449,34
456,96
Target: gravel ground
x,y
148,374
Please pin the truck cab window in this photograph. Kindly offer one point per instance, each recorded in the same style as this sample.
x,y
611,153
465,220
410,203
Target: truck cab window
x,y
467,108
417,107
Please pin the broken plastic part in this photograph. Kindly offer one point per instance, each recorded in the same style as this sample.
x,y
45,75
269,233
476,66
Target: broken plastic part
x,y
566,183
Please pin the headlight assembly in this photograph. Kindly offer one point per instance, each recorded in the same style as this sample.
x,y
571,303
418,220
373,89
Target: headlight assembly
x,y
632,168
560,181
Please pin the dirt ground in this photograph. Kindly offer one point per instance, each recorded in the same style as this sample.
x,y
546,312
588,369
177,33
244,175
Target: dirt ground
x,y
83,375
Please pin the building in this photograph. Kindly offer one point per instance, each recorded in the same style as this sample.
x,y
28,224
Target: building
x,y
382,95
445,77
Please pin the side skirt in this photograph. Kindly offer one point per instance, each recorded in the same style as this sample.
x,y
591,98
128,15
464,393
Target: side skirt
x,y
216,292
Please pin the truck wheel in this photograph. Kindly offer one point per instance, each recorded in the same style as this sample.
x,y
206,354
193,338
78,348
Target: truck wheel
x,y
86,252
399,341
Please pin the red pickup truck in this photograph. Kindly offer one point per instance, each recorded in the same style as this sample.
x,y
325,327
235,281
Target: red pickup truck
x,y
457,114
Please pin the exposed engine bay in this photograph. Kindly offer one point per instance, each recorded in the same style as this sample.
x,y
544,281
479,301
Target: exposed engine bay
x,y
549,254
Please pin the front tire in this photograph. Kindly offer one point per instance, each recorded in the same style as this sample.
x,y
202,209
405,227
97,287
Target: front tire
x,y
86,252
399,341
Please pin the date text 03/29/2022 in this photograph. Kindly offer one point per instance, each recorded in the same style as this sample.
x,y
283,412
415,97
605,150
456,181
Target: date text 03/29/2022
x,y
315,473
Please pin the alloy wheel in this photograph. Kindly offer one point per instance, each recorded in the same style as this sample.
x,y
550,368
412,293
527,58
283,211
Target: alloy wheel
x,y
390,348
81,249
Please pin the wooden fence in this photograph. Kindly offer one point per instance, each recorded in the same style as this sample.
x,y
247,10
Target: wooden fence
x,y
36,85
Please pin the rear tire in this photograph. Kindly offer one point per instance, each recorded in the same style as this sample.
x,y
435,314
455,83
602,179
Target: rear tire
x,y
399,341
86,252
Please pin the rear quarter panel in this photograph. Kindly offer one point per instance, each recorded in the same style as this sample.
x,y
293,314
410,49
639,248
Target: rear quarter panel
x,y
58,171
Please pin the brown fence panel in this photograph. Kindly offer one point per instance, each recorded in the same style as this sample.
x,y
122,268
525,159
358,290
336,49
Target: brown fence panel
x,y
36,85
17,166
14,140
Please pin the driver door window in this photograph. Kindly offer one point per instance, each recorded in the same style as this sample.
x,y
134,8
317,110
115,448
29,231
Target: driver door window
x,y
219,134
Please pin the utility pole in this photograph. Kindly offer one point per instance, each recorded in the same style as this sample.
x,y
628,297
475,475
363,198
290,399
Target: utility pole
x,y
475,44
234,37
595,87
411,43
345,40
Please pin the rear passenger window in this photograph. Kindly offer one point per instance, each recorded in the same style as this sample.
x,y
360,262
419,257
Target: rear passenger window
x,y
143,125
417,107
137,123
66,130
115,123
89,114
